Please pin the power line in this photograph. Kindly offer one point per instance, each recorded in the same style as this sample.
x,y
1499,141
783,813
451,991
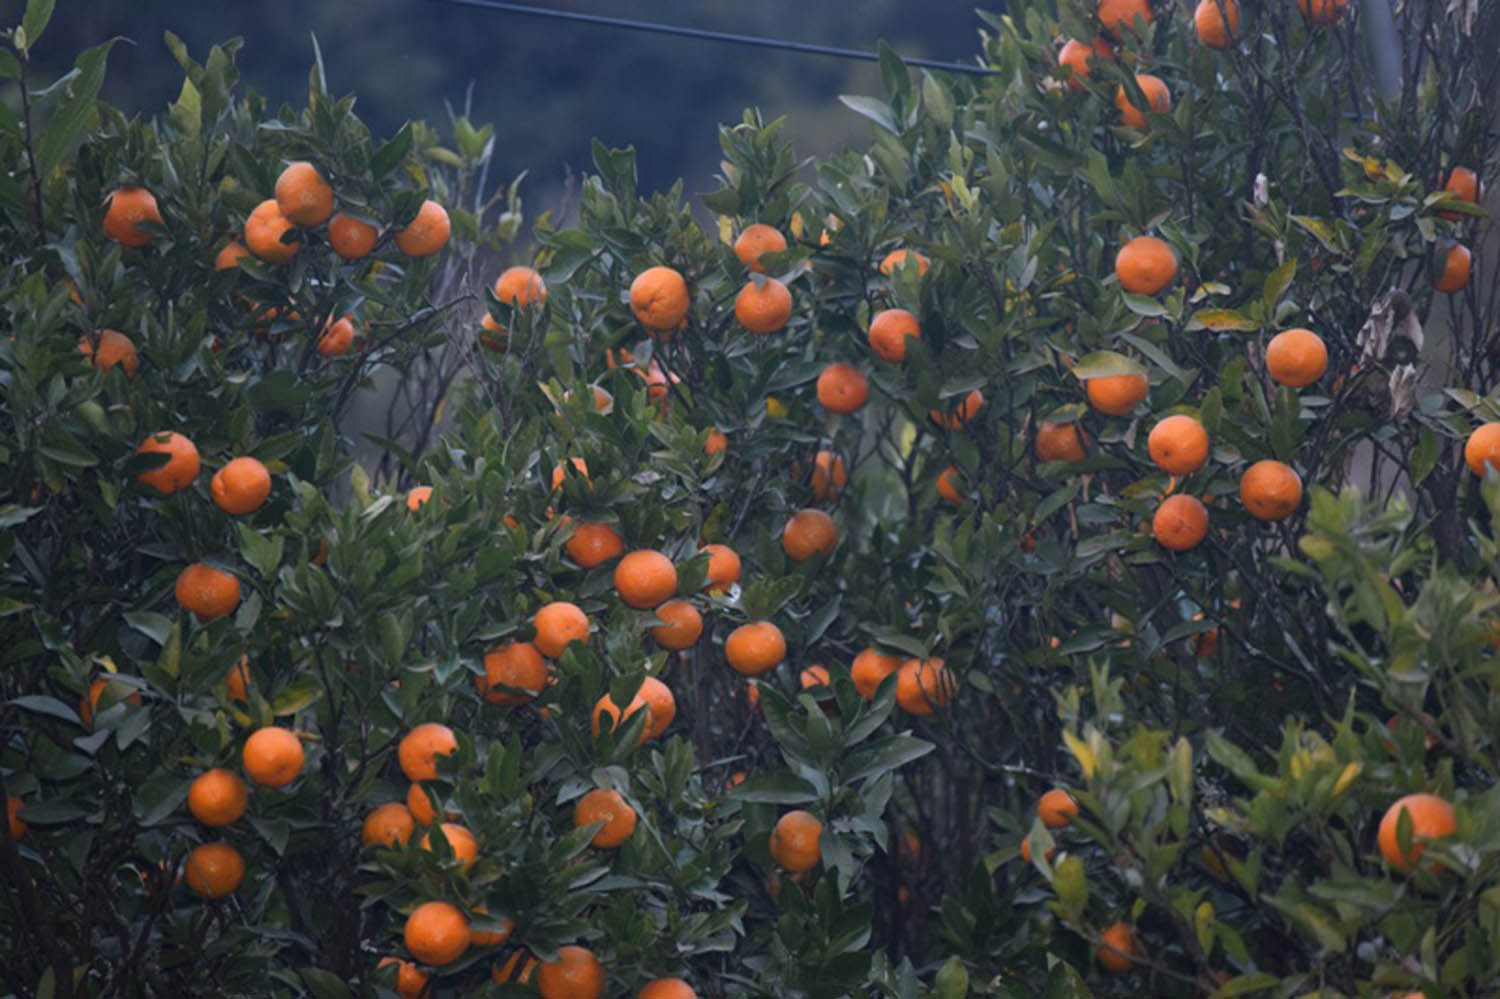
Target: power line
x,y
712,36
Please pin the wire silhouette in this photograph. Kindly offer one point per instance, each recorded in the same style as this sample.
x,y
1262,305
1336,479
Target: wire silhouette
x,y
712,36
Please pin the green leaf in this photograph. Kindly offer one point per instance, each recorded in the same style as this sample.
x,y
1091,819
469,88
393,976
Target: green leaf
x,y
1220,321
878,757
390,154
874,109
1277,282
44,705
1102,363
1245,984
302,692
1144,305
157,627
323,984
74,111
34,21
775,788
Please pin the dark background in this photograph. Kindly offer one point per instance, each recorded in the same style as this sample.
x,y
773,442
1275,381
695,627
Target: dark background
x,y
548,86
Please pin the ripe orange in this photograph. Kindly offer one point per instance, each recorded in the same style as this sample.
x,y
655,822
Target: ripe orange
x,y
829,476
303,196
1455,274
337,338
1056,808
809,532
411,981
1323,12
114,348
609,807
795,842
666,988
214,870
420,748
128,206
1296,357
1026,851
752,696
1180,523
462,842
491,938
653,696
683,625
888,333
756,240
1432,818
897,258
814,676
13,816
437,933
217,797
1270,490
417,496
87,704
207,592
870,667
557,624
230,256
420,805
594,544
1464,183
949,482
264,232
1118,16
724,566
960,416
659,298
1059,442
1117,948
1117,395
1146,265
501,974
1483,449
576,974
350,237
1075,57
1214,30
923,686
1178,445
428,232
237,682
241,486
390,824
645,578
181,467
756,648
520,286
560,472
763,305
717,442
842,389
514,664
273,756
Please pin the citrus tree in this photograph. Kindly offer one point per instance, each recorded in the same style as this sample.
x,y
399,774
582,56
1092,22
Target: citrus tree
x,y
1046,552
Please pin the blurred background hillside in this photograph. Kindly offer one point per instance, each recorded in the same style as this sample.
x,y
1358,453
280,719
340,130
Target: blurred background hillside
x,y
549,86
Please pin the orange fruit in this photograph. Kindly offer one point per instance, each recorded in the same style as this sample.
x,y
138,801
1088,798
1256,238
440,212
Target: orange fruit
x,y
427,233
659,298
1213,27
127,207
514,664
237,682
763,305
888,333
303,196
1455,275
420,748
501,974
417,496
1118,16
960,416
1463,183
949,482
350,237
756,240
576,974
683,625
897,258
264,232
1323,12
724,566
217,797
842,389
1178,445
420,805
829,476
462,842
1117,395
756,648
609,807
241,486
645,578
923,686
870,667
557,624
1075,57
411,981
809,532
1117,948
114,348
230,256
206,591
1026,850
337,338
390,824
437,933
653,696
1059,442
1056,808
1483,449
1180,523
13,816
520,286
795,842
214,870
1146,265
1296,357
273,756
1270,490
1432,818
752,696
86,705
560,472
666,988
181,467
491,938
717,442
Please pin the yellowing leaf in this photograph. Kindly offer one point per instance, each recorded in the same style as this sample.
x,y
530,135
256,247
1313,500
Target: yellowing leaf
x,y
726,230
1087,759
1350,774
